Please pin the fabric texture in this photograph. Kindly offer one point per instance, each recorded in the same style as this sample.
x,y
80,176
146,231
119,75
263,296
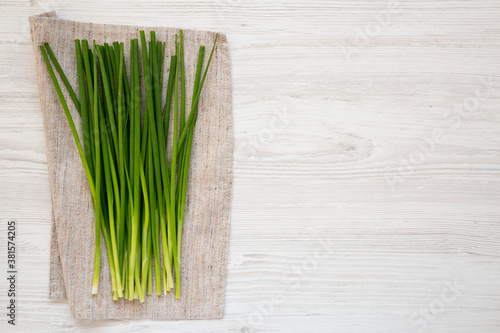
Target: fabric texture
x,y
206,226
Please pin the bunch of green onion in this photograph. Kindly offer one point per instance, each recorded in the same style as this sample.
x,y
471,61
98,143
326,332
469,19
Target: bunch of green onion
x,y
138,191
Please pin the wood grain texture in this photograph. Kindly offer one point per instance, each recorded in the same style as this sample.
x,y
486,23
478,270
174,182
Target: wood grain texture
x,y
335,181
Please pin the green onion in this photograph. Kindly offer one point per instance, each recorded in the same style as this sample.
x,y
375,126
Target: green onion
x,y
138,191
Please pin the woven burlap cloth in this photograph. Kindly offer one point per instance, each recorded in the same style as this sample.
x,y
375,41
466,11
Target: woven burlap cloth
x,y
206,227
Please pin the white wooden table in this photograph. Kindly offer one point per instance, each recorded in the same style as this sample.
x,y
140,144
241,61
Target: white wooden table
x,y
366,175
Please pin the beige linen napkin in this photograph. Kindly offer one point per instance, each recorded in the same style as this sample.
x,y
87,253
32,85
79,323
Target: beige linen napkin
x,y
206,226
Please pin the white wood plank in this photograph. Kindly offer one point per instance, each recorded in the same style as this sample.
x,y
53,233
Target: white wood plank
x,y
335,156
